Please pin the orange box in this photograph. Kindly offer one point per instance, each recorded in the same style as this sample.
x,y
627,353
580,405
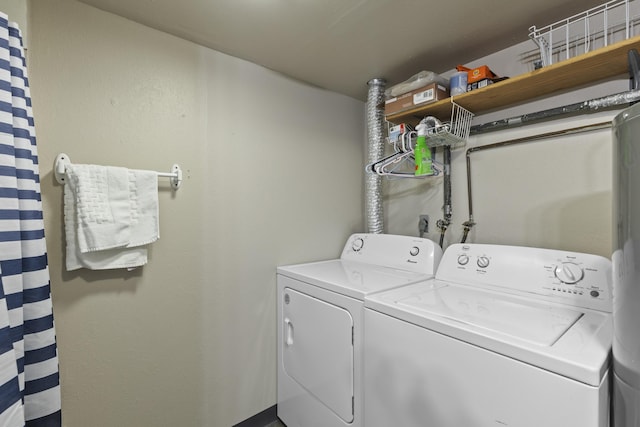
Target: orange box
x,y
477,74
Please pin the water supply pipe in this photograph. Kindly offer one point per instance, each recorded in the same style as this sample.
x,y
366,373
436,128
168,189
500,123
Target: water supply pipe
x,y
593,105
579,129
444,223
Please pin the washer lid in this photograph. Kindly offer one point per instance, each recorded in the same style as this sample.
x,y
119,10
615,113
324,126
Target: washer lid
x,y
535,322
351,278
569,341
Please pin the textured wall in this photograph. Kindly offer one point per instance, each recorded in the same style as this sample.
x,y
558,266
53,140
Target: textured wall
x,y
553,193
271,166
17,12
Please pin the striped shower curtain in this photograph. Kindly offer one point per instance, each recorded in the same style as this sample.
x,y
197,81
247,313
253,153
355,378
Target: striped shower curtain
x,y
29,379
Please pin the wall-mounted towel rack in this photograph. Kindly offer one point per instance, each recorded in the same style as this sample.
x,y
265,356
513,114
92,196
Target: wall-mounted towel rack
x,y
62,160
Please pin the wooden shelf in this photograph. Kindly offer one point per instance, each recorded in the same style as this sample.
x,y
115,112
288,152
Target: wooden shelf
x,y
590,67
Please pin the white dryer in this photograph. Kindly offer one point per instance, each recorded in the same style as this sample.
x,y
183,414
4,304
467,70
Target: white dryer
x,y
320,324
503,336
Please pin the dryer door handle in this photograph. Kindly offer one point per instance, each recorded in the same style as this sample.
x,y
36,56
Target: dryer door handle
x,y
288,332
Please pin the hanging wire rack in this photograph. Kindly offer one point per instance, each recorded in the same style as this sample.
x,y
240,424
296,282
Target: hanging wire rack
x,y
453,133
585,31
401,164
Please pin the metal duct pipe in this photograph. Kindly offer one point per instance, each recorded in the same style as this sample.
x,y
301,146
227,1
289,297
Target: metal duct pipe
x,y
375,151
593,105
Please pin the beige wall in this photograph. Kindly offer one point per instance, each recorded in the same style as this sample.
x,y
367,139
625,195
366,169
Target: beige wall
x,y
17,12
188,340
553,193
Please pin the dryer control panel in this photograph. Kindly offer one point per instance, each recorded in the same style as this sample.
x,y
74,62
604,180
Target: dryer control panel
x,y
402,252
578,279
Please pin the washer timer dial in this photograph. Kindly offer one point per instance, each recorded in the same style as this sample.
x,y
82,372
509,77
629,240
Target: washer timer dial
x,y
357,244
483,262
569,272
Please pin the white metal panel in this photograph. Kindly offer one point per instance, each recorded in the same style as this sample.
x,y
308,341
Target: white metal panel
x,y
581,352
371,263
538,323
398,252
626,403
415,377
626,267
353,279
532,272
317,350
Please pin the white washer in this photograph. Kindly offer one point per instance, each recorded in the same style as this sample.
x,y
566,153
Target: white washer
x,y
320,330
503,336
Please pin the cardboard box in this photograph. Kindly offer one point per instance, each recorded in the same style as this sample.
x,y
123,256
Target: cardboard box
x,y
479,84
395,132
484,82
424,95
476,74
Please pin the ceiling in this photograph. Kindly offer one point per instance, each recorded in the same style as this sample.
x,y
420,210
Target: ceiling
x,y
339,45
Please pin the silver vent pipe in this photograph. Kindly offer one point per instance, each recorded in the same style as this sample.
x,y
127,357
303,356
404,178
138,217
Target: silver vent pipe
x,y
375,151
590,106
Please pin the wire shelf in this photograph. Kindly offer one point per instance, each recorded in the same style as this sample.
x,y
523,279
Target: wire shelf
x,y
581,33
454,133
401,164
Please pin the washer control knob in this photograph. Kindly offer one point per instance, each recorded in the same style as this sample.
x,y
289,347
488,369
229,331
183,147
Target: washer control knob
x,y
483,262
414,251
463,259
357,244
569,273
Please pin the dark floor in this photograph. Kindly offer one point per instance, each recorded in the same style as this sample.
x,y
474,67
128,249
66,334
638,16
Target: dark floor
x,y
275,424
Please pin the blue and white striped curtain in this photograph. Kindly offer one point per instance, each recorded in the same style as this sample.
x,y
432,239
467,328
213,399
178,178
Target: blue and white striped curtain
x,y
29,379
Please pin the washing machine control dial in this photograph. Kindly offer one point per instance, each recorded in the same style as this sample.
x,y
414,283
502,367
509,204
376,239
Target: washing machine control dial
x,y
569,273
414,251
483,262
463,259
357,244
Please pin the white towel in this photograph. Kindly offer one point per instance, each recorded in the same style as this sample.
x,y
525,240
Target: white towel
x,y
99,260
105,226
102,206
143,202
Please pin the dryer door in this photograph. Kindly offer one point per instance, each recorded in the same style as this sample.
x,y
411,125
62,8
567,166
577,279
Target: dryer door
x,y
318,350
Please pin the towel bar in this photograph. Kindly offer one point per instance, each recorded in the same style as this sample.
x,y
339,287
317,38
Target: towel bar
x,y
62,160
